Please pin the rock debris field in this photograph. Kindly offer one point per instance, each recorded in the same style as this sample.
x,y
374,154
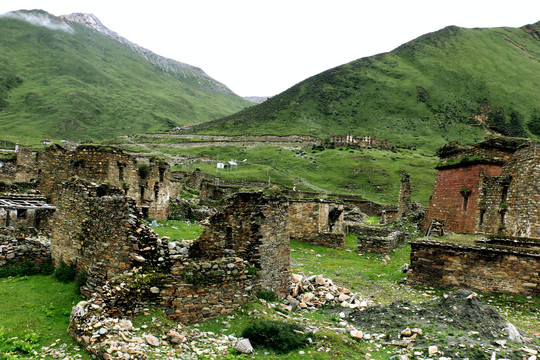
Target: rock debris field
x,y
458,325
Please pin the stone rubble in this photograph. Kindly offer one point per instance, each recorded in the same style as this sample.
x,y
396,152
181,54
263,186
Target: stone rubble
x,y
108,337
314,291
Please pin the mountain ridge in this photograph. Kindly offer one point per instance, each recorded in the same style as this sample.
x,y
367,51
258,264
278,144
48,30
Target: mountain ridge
x,y
452,84
63,79
162,63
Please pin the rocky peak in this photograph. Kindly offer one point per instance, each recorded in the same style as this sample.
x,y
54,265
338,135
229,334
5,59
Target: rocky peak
x,y
185,73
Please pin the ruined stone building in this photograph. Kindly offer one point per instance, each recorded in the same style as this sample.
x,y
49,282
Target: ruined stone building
x,y
24,211
365,141
489,188
148,182
318,222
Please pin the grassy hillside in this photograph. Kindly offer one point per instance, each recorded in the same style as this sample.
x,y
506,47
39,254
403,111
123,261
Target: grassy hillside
x,y
454,84
79,84
372,173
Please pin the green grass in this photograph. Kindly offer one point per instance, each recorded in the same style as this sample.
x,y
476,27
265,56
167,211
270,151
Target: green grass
x,y
36,309
179,229
371,274
372,173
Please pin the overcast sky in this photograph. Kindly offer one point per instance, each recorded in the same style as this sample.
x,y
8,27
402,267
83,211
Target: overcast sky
x,y
263,47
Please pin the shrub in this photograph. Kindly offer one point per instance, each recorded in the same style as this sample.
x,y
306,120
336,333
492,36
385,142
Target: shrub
x,y
47,268
277,335
23,269
267,295
65,272
80,280
144,170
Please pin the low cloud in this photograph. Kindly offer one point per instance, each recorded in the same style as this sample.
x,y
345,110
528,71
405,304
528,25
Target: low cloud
x,y
39,20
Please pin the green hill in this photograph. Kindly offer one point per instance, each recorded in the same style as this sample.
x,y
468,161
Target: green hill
x,y
453,84
72,78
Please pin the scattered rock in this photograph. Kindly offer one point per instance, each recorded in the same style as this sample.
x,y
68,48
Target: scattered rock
x,y
151,340
243,346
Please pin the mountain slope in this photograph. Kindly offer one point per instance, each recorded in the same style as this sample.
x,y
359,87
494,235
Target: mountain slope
x,y
454,84
73,78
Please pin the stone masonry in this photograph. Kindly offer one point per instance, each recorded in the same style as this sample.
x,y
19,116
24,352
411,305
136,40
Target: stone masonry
x,y
244,249
100,230
490,188
318,222
377,240
477,266
148,182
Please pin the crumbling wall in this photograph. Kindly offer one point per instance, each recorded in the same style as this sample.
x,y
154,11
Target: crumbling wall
x,y
377,240
318,222
100,230
475,267
521,199
244,249
16,250
149,182
253,227
404,200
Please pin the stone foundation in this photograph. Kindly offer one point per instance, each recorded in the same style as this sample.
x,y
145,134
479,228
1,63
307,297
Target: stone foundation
x,y
377,240
329,240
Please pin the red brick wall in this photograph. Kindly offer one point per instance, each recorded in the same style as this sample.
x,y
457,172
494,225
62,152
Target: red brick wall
x,y
447,202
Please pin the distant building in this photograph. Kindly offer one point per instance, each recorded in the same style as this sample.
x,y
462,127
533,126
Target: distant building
x,y
365,141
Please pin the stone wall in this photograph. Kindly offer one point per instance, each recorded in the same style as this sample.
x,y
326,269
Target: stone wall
x,y
100,230
522,195
200,289
16,250
476,267
404,200
253,227
329,240
376,240
315,221
243,250
148,182
365,141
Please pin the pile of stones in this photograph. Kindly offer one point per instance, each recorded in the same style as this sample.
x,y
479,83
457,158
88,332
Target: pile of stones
x,y
108,337
314,291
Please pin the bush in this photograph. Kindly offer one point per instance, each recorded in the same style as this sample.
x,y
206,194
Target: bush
x,y
267,295
47,268
80,280
277,335
65,273
23,269
144,170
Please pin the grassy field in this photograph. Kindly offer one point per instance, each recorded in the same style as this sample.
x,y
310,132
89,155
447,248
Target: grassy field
x,y
34,314
178,229
372,173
